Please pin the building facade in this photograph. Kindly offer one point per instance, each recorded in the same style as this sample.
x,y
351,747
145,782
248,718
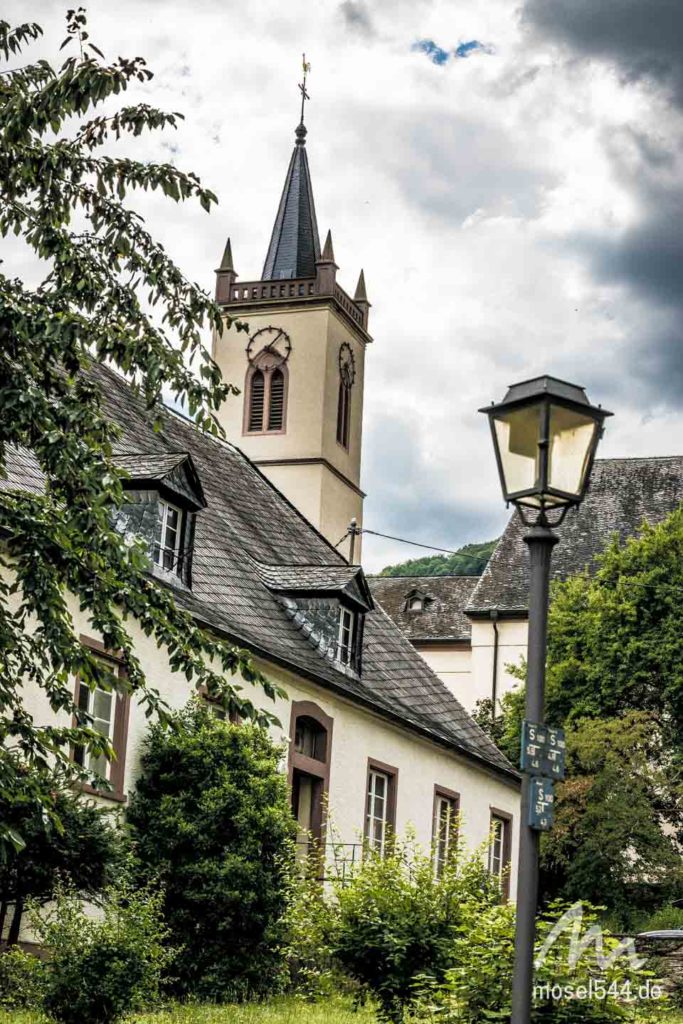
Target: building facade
x,y
492,611
301,367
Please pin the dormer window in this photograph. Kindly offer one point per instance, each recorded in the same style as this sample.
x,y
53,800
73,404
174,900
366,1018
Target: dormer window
x,y
168,545
345,643
328,603
417,601
163,497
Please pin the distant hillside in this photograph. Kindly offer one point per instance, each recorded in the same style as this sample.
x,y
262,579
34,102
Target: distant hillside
x,y
469,560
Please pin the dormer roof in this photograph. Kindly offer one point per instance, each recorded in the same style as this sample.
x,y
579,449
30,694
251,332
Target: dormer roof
x,y
172,472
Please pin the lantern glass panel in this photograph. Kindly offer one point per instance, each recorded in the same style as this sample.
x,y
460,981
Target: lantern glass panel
x,y
571,443
518,434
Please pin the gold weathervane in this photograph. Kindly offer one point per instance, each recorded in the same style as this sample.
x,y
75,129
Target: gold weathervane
x,y
302,86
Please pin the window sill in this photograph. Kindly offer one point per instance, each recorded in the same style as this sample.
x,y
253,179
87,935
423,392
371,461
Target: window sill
x,y
117,798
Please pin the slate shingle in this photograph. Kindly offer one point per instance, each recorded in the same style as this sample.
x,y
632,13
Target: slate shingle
x,y
623,493
443,617
248,521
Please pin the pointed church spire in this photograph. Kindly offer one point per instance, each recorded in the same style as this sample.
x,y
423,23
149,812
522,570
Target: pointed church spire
x,y
361,299
328,251
225,275
360,295
295,244
226,262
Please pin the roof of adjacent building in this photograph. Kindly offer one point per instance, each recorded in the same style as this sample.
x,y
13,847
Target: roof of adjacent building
x,y
247,529
445,599
623,493
295,243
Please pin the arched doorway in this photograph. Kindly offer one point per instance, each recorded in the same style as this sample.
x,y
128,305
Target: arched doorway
x,y
309,774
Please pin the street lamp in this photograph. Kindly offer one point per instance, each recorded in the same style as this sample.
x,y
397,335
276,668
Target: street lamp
x,y
545,434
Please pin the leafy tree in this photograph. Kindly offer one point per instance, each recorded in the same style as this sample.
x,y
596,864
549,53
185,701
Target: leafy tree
x,y
615,682
469,560
610,844
84,851
211,821
110,293
616,638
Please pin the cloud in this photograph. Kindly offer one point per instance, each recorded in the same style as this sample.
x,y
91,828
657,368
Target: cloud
x,y
439,56
642,38
357,17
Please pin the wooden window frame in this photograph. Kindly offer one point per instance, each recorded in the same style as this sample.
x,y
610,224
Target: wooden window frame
x,y
391,799
443,793
267,371
506,852
311,765
119,737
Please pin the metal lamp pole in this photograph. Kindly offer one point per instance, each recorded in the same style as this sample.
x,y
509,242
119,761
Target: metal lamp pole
x,y
540,540
545,434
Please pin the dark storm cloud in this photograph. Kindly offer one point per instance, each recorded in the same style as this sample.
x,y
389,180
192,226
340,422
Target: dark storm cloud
x,y
643,41
642,38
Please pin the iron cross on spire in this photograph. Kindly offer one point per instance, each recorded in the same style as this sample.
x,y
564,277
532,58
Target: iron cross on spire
x,y
302,86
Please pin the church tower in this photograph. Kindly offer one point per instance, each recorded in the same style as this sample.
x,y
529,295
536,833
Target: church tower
x,y
301,365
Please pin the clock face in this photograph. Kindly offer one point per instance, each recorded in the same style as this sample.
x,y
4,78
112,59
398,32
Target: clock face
x,y
272,342
347,364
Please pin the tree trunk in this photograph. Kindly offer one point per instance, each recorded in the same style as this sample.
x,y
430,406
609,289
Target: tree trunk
x,y
3,916
15,926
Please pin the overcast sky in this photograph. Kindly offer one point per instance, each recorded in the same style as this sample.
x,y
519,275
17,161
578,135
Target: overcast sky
x,y
509,176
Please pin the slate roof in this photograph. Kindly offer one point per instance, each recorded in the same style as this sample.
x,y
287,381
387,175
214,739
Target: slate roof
x,y
443,617
146,466
317,579
248,521
295,244
622,494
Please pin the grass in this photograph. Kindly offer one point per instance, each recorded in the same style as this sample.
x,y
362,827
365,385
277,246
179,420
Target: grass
x,y
275,1011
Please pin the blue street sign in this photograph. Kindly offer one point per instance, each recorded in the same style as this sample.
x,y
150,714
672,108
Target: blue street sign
x,y
543,750
541,804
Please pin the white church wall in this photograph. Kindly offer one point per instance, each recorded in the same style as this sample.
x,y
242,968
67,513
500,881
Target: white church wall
x,y
358,734
453,665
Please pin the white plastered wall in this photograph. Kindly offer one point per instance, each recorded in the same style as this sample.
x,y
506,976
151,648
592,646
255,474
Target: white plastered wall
x,y
358,734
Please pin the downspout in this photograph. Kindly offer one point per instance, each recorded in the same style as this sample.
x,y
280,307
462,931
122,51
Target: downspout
x,y
493,614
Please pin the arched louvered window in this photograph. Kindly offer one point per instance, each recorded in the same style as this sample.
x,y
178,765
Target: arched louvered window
x,y
276,401
257,394
343,413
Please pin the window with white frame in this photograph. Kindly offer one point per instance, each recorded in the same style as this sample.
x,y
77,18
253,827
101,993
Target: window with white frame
x,y
499,849
445,829
99,705
168,544
345,640
376,816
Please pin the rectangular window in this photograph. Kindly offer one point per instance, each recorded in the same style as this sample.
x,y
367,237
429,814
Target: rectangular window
x,y
346,636
445,827
500,848
380,804
169,536
99,706
107,712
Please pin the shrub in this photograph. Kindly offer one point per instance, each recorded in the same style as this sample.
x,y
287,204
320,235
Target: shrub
x,y
397,922
100,969
478,986
84,850
22,980
310,921
211,819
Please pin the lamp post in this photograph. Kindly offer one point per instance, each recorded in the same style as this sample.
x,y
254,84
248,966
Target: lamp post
x,y
545,434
